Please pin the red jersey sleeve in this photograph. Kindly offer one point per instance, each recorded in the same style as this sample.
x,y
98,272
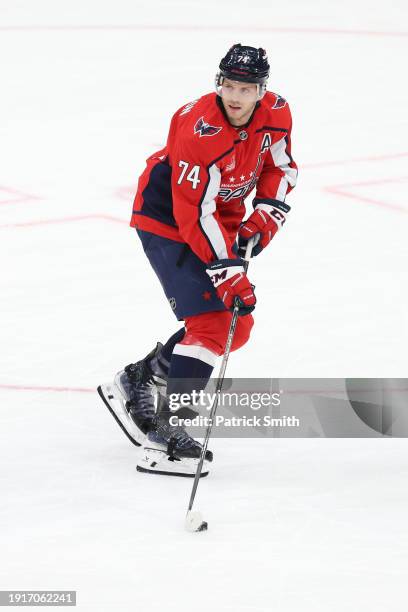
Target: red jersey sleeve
x,y
195,184
279,173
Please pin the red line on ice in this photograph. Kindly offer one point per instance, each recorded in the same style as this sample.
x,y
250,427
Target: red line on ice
x,y
284,392
340,190
127,193
342,162
54,389
20,196
64,220
196,28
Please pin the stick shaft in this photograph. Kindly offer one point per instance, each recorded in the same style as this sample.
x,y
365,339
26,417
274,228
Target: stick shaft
x,y
219,384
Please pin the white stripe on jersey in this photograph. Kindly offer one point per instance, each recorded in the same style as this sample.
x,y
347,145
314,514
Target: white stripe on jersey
x,y
207,221
282,160
282,189
197,352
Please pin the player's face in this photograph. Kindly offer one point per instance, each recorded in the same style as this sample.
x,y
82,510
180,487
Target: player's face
x,y
239,100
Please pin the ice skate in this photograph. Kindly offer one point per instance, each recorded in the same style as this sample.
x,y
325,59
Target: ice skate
x,y
168,449
134,395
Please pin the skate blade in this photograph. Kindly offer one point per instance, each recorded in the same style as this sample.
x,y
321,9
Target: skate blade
x,y
155,461
115,404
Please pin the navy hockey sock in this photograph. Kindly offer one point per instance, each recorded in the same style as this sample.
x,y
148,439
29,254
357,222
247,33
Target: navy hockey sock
x,y
187,374
161,361
168,348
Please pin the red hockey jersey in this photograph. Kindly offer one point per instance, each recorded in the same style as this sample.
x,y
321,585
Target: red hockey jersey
x,y
193,190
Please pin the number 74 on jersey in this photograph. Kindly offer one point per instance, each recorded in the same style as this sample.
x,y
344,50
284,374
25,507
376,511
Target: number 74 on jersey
x,y
192,176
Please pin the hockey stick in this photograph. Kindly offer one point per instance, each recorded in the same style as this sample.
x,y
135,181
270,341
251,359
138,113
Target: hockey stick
x,y
194,521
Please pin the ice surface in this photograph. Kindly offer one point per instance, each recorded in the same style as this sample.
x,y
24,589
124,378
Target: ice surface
x,y
88,89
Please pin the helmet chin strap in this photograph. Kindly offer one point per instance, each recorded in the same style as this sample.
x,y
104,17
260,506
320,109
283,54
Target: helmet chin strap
x,y
219,79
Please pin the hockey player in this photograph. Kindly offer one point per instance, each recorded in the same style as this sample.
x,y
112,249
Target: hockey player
x,y
188,213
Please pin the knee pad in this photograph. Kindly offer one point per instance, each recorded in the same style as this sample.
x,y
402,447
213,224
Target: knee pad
x,y
211,330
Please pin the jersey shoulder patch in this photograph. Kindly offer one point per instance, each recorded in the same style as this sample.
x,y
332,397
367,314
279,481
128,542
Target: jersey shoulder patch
x,y
205,129
200,133
279,102
277,110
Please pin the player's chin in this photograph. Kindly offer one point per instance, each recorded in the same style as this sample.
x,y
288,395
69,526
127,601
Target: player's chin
x,y
234,114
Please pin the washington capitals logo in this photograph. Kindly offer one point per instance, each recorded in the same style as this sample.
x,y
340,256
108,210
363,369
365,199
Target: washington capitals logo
x,y
279,102
205,129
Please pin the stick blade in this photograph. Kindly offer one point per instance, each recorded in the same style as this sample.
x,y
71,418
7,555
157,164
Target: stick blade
x,y
194,522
